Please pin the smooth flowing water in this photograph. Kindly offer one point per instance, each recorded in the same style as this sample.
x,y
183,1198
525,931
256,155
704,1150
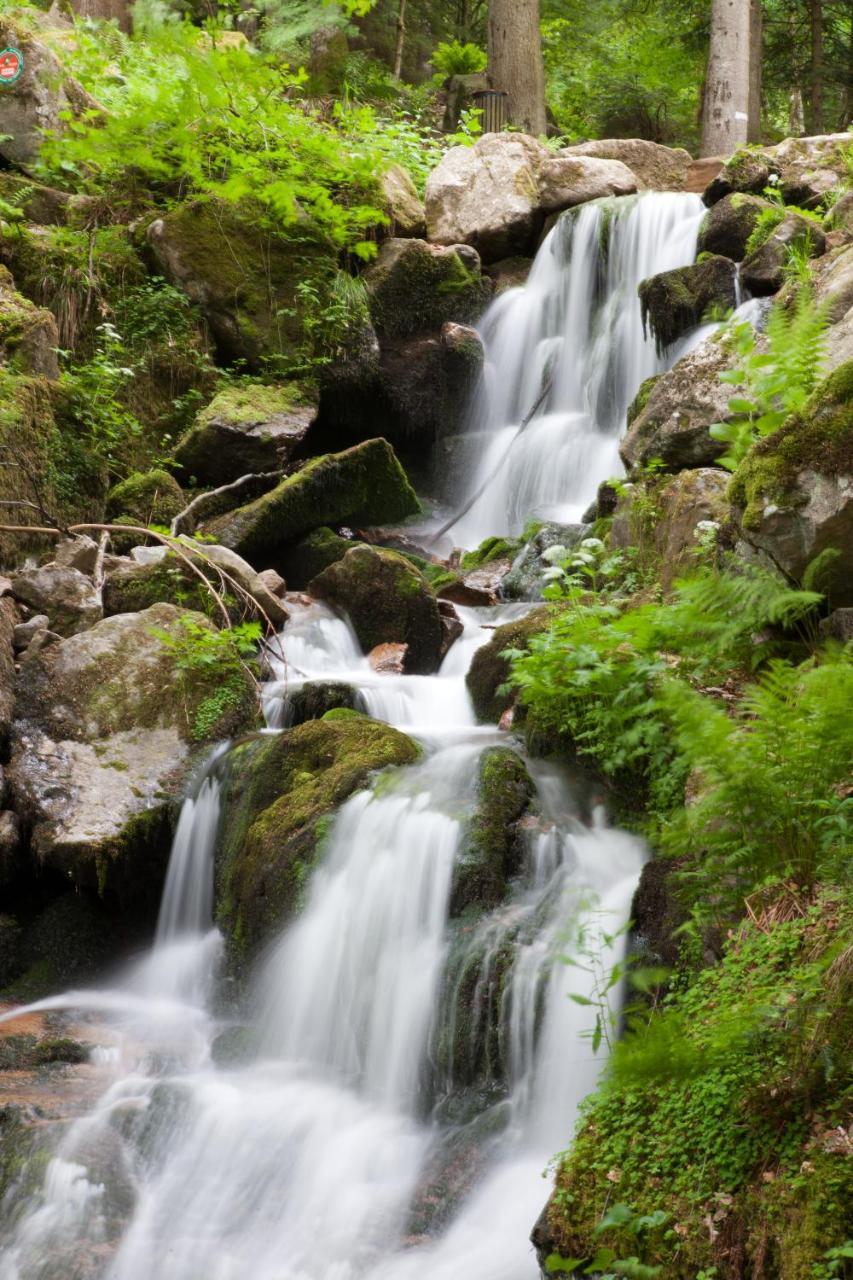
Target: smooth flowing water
x,y
384,1106
577,321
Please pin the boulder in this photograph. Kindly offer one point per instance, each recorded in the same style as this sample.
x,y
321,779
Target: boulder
x,y
671,420
309,556
245,428
145,497
25,632
130,587
388,659
243,279
78,552
524,580
66,596
674,302
42,98
763,272
729,223
794,490
387,600
803,170
362,485
403,205
838,626
28,335
681,504
414,286
833,283
840,216
313,699
8,622
278,798
509,273
489,670
492,848
657,168
108,722
496,194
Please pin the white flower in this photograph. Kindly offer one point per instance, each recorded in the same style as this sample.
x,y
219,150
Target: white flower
x,y
551,575
553,554
593,544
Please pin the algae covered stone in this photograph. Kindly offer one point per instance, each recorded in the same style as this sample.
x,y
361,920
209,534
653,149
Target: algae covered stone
x,y
492,846
245,428
728,225
489,670
387,600
414,286
674,302
146,497
362,485
278,799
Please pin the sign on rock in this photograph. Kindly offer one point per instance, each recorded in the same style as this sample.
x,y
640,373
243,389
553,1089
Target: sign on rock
x,y
11,66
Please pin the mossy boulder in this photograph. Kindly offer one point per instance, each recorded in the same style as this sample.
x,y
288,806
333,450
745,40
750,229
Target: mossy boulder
x,y
279,797
763,272
28,334
108,723
727,225
360,486
674,302
242,277
803,170
387,600
317,698
245,428
489,669
309,556
794,489
414,286
492,848
661,518
64,594
146,497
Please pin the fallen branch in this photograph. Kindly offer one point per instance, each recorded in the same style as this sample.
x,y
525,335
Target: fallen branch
x,y
177,525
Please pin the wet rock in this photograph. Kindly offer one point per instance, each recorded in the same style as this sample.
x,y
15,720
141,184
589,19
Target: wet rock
x,y
681,405
304,559
107,725
492,849
387,600
243,280
681,504
66,596
509,273
388,659
496,194
479,588
28,334
489,670
656,914
312,700
273,582
727,225
833,284
10,841
838,626
414,286
362,485
763,272
451,626
524,580
245,429
803,170
674,302
402,203
794,490
278,799
840,216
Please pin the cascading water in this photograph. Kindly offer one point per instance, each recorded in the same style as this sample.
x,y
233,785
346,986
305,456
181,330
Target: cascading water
x,y
386,1041
578,321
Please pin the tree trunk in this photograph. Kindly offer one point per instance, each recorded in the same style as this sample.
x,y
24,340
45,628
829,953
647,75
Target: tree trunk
x,y
816,75
756,60
401,40
725,116
515,61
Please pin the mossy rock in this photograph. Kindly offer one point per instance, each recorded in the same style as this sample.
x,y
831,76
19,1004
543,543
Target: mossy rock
x,y
247,428
387,600
28,334
278,798
490,549
674,302
763,271
492,848
243,277
728,225
414,286
641,399
146,497
489,670
360,486
309,556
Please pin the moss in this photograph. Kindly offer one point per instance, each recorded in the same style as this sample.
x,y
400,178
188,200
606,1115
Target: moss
x,y
490,855
819,438
244,403
279,790
674,302
343,713
489,670
309,556
413,287
493,548
641,399
362,485
149,497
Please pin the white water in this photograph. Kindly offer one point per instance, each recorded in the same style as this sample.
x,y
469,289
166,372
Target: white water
x,y
305,1158
578,317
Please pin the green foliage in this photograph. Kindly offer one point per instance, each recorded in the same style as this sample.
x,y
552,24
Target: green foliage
x,y
774,378
96,399
451,58
203,654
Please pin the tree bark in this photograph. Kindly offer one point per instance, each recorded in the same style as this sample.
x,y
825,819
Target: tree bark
x,y
756,61
515,61
725,115
401,40
816,72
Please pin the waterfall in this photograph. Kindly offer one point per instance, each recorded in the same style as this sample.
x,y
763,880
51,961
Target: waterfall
x,y
578,321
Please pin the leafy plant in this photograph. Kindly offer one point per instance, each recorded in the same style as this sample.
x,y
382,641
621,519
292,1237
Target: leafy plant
x,y
452,58
216,658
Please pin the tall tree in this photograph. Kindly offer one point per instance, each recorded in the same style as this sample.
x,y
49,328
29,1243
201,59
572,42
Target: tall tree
x,y
725,108
515,61
756,64
816,70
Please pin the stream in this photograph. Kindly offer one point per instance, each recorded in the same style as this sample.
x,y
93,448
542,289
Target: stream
x,y
313,1152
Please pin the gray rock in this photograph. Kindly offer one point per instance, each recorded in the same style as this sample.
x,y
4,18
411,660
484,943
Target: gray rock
x,y
833,276
80,552
727,225
804,170
25,631
28,334
682,503
245,430
413,286
838,626
763,272
656,168
66,595
402,203
524,580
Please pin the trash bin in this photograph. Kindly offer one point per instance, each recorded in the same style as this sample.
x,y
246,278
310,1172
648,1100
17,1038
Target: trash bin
x,y
493,105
